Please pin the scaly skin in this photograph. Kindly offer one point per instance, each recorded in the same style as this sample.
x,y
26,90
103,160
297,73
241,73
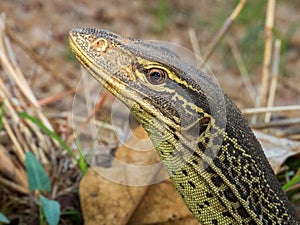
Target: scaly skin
x,y
213,157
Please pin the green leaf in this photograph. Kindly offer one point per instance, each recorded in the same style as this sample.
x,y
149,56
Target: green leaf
x,y
37,176
51,210
292,182
3,219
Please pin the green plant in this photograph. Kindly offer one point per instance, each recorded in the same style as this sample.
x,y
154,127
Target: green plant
x,y
3,219
37,176
38,180
76,216
295,180
51,210
290,179
162,15
80,162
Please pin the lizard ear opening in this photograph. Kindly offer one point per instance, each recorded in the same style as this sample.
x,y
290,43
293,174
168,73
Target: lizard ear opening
x,y
204,123
198,130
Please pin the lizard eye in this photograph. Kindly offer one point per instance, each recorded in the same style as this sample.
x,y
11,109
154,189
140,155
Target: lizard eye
x,y
156,76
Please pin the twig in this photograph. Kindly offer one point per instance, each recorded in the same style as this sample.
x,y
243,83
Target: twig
x,y
38,59
222,31
277,123
274,78
271,109
7,168
195,45
291,132
20,92
294,136
294,187
14,186
10,65
57,97
268,51
19,151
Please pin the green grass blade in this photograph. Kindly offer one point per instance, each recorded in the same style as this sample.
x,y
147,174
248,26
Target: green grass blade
x,y
45,129
292,182
74,215
80,162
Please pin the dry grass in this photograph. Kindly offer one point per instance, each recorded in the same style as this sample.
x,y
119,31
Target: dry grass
x,y
19,135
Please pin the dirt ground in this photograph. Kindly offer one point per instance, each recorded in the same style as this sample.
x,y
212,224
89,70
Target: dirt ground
x,y
43,27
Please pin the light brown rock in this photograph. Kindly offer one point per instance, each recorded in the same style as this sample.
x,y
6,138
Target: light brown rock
x,y
105,202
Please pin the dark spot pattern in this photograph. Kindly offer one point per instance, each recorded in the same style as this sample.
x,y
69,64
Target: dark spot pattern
x,y
230,196
226,214
206,203
185,173
200,206
215,222
209,195
242,212
192,184
217,181
195,162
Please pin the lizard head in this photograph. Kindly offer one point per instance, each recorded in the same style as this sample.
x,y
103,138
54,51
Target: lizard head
x,y
168,96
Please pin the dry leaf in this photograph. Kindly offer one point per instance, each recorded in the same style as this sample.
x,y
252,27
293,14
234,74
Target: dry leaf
x,y
107,202
277,149
162,205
